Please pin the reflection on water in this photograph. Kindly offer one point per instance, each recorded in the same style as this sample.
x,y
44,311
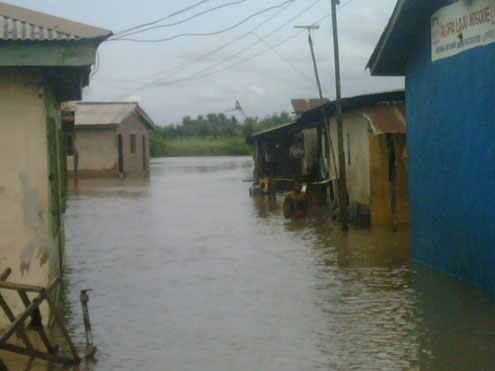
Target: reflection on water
x,y
190,273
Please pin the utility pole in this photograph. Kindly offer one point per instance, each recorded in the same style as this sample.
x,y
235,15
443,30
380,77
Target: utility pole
x,y
340,135
329,149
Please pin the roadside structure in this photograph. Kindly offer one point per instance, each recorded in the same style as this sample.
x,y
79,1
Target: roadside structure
x,y
111,139
446,51
375,149
43,60
374,128
286,152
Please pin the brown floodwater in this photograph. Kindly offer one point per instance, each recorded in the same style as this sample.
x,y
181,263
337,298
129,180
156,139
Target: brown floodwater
x,y
189,273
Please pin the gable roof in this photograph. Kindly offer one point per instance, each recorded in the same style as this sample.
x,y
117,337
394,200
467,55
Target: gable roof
x,y
107,113
20,24
403,29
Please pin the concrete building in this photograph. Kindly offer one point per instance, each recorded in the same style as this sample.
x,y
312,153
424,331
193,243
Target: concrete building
x,y
111,139
446,51
43,60
374,130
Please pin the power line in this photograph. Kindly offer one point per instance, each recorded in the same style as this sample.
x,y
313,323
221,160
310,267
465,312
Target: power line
x,y
246,48
285,60
195,5
202,75
188,64
209,33
260,39
180,22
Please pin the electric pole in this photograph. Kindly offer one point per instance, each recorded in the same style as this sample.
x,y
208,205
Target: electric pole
x,y
329,148
343,204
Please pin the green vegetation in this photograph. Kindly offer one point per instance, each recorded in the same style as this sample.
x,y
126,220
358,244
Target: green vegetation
x,y
210,135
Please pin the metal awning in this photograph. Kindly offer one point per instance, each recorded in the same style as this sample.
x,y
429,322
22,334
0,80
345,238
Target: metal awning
x,y
386,118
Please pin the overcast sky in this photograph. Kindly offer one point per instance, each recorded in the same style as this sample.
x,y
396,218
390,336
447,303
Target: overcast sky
x,y
192,80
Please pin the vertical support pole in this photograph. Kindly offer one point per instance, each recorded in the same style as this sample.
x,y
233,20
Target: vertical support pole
x,y
391,178
329,149
340,135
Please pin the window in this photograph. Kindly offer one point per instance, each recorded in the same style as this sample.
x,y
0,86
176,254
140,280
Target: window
x,y
133,144
348,148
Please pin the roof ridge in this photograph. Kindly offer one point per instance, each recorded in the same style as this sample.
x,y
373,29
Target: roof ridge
x,y
52,23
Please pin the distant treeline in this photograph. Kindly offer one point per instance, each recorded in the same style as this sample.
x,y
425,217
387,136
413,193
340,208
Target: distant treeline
x,y
211,135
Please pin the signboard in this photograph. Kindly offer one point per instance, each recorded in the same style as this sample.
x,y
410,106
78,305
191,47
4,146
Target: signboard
x,y
463,25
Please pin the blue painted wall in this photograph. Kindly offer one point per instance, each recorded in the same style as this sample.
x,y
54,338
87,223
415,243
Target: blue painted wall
x,y
451,148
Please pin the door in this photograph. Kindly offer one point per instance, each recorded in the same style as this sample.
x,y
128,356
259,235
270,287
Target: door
x,y
121,154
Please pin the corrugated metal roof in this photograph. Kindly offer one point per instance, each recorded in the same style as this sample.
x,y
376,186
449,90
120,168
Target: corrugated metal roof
x,y
106,113
20,24
386,118
303,105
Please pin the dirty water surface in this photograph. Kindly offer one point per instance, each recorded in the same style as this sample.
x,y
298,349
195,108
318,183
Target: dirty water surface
x,y
189,273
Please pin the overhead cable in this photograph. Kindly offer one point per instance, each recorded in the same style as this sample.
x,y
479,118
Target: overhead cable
x,y
209,33
180,22
195,5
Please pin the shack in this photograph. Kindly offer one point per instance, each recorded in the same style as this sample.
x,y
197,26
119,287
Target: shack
x,y
286,152
111,139
43,60
446,51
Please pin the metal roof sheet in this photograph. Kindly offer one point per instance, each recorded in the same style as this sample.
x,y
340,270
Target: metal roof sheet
x,y
389,119
303,105
386,118
106,113
27,25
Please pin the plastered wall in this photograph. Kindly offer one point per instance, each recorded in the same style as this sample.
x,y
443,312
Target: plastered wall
x,y
25,241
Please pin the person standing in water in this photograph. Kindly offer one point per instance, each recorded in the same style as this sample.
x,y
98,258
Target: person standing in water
x,y
296,203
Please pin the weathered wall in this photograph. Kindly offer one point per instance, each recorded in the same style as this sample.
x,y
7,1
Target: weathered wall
x,y
451,149
26,244
355,128
133,163
98,154
381,211
310,151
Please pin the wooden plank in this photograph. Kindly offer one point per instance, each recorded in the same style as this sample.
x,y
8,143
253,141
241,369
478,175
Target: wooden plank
x,y
5,274
20,286
60,322
8,312
36,353
41,332
27,312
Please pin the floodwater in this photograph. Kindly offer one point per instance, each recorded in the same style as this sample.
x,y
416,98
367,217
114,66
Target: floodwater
x,y
189,273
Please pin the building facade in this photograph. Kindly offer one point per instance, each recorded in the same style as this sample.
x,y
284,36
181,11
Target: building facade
x,y
111,140
446,51
43,61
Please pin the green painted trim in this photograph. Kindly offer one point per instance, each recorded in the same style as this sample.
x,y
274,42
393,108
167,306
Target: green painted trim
x,y
37,53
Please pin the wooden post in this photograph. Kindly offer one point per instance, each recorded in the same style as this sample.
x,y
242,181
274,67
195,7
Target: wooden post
x,y
391,178
342,179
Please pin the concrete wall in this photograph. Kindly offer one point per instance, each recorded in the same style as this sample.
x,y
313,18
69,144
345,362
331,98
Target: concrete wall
x,y
27,245
358,169
97,148
451,149
380,207
133,163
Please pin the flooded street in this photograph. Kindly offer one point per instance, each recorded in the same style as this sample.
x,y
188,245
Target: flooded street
x,y
190,273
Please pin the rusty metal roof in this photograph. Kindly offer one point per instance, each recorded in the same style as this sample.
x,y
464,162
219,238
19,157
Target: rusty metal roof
x,y
386,118
20,24
303,105
106,113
